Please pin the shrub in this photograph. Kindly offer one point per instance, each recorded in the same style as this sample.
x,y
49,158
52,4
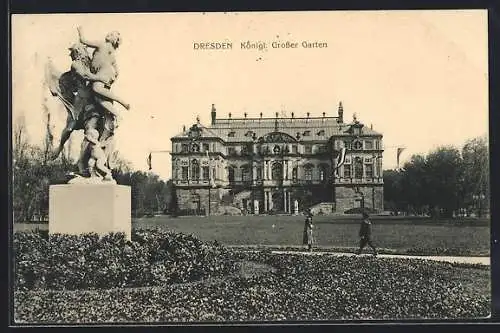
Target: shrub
x,y
303,288
88,261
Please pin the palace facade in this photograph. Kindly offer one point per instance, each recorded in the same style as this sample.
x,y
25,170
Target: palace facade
x,y
277,165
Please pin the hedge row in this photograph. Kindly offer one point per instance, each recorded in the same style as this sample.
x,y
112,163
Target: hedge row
x,y
152,257
300,288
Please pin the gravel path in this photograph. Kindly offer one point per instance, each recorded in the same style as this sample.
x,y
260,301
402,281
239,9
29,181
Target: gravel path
x,y
462,260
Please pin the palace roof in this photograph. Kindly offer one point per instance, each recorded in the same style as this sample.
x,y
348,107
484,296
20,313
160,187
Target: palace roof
x,y
249,129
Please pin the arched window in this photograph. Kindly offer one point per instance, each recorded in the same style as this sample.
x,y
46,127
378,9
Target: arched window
x,y
277,171
358,168
195,170
294,174
308,172
230,173
323,172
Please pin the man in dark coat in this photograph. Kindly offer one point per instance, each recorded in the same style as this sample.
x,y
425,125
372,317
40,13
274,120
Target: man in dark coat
x,y
308,232
365,234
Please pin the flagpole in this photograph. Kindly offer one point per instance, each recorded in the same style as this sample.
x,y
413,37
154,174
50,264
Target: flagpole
x,y
399,150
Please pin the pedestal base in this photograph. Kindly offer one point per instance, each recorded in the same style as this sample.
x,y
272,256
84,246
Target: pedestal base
x,y
84,208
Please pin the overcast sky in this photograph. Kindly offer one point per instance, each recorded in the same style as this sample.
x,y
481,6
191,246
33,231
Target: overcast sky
x,y
420,77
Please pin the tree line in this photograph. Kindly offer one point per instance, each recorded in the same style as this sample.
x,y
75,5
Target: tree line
x,y
33,172
448,181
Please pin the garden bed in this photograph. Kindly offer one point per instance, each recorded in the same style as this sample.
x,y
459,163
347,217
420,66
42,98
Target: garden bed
x,y
231,285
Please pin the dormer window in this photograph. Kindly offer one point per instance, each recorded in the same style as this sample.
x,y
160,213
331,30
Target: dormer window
x,y
249,133
307,133
231,134
194,131
356,131
321,133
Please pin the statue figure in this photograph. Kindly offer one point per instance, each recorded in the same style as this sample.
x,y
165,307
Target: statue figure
x,y
97,156
104,65
85,92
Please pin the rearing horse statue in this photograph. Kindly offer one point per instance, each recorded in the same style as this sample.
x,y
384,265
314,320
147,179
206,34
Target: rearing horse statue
x,y
73,88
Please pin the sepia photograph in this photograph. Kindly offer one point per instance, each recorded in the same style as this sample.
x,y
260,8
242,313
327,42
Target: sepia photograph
x,y
250,167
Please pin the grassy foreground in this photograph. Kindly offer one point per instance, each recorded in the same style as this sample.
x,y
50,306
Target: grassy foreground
x,y
405,236
418,236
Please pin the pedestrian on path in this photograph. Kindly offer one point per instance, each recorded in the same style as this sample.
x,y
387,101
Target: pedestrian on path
x,y
307,238
365,234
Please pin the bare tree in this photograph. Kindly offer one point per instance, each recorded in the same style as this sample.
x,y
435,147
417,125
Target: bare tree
x,y
20,138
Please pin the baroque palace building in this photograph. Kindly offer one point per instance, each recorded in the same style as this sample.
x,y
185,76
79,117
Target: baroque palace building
x,y
277,165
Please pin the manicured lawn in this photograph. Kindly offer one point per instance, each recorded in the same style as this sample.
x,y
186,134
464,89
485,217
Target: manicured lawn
x,y
416,236
287,231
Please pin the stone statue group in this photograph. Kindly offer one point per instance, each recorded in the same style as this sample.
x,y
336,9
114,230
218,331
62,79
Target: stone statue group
x,y
85,91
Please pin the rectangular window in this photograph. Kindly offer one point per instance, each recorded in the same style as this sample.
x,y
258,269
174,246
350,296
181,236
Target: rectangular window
x,y
347,171
231,151
206,172
259,173
184,173
377,144
206,147
369,170
295,149
195,172
347,144
358,169
185,148
308,149
368,144
308,174
246,175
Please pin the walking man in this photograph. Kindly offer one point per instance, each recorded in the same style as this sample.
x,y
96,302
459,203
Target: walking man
x,y
308,232
365,234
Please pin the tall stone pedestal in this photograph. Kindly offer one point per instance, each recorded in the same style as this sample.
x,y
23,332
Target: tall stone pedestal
x,y
84,208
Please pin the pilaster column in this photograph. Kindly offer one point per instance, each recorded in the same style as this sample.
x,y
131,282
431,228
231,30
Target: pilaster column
x,y
289,203
265,201
284,200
